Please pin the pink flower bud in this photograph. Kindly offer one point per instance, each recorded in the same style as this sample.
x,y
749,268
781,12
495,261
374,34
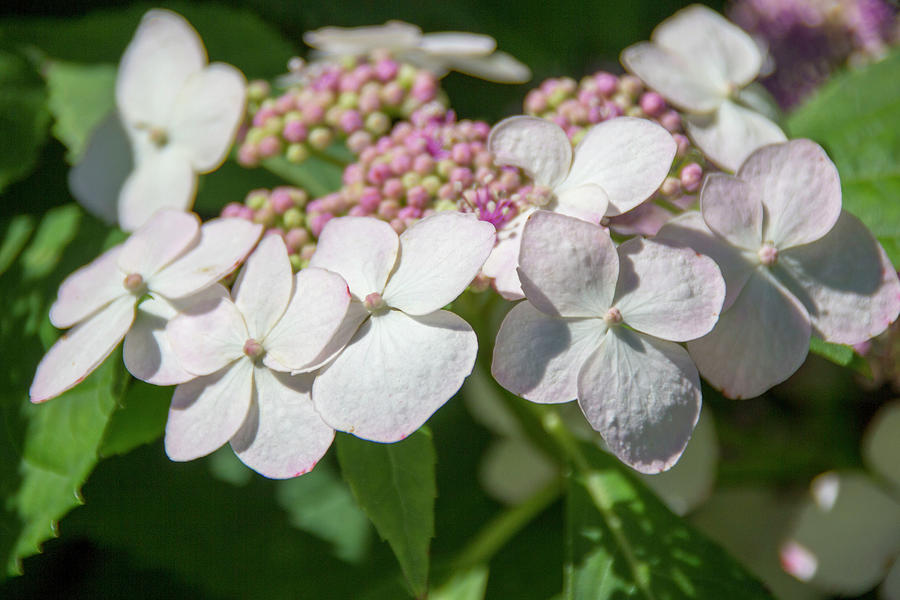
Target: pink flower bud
x,y
409,212
461,153
294,131
607,83
350,121
691,176
652,103
423,164
353,174
535,102
388,209
269,146
295,238
369,198
317,223
670,120
386,69
393,188
401,162
378,173
417,197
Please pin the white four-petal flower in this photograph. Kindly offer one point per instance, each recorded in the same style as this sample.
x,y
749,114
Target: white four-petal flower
x,y
567,340
241,349
617,165
700,62
170,258
405,357
180,115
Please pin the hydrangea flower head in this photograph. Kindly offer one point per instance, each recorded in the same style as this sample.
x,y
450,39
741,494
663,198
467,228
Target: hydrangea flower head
x,y
635,385
180,115
700,62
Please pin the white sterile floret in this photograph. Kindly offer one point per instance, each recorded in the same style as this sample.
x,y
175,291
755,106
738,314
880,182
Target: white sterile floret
x,y
180,116
470,53
170,259
404,357
617,165
635,385
700,62
794,263
242,349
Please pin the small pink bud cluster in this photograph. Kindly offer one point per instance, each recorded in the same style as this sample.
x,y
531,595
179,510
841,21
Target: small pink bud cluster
x,y
282,212
355,101
602,96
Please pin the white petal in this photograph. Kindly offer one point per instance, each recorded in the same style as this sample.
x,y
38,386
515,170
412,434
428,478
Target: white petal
x,y
209,335
848,284
206,412
158,242
800,189
758,342
163,54
356,314
457,43
359,40
643,395
733,209
690,230
219,249
852,537
88,289
684,85
628,157
162,179
396,371
504,258
587,202
710,42
362,250
667,291
97,179
439,257
567,266
881,443
538,357
316,311
147,352
283,435
264,287
729,135
82,349
499,66
207,114
537,146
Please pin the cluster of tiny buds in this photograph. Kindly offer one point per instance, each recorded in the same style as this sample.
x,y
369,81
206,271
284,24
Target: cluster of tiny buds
x,y
353,100
576,106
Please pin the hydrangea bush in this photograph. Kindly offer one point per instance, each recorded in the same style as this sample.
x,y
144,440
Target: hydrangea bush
x,y
334,257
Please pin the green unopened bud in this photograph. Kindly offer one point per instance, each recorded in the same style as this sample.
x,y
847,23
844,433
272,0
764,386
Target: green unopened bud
x,y
556,98
579,135
297,263
297,153
348,100
445,204
406,75
445,167
258,90
634,111
273,126
411,179
431,183
293,218
320,138
256,200
255,135
378,123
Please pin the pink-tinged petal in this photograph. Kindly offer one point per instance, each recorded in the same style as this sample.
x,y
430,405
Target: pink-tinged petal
x,y
158,242
163,54
690,230
283,436
362,250
106,163
851,530
439,257
538,357
729,135
161,180
207,114
684,85
82,349
147,352
504,258
800,188
712,43
568,267
881,443
537,146
221,246
88,289
457,43
628,157
645,219
396,371
587,202
210,334
758,342
732,208
264,287
206,412
643,395
359,40
667,291
312,318
847,282
499,67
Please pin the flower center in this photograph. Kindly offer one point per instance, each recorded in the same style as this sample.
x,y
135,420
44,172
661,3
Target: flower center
x,y
158,136
374,303
768,254
253,349
134,283
613,316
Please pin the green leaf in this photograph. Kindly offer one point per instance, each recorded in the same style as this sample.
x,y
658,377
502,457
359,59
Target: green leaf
x,y
315,175
23,117
841,355
80,96
394,484
140,420
15,236
622,542
856,117
466,585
